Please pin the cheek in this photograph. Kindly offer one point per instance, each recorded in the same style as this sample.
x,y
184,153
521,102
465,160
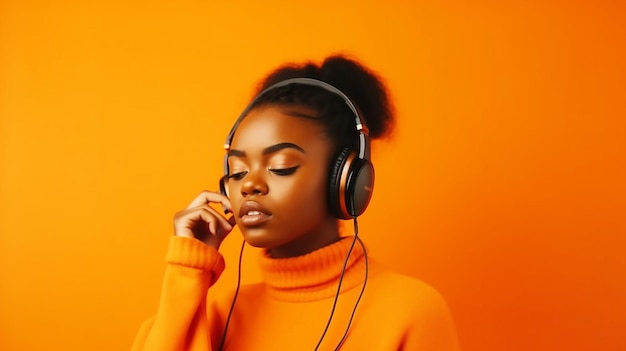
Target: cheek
x,y
307,193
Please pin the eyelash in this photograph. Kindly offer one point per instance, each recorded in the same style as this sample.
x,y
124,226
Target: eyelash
x,y
237,176
279,172
284,171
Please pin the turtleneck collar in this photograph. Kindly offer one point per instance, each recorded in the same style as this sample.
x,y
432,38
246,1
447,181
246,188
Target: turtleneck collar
x,y
313,276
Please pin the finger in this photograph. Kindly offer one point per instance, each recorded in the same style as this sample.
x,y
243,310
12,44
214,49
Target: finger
x,y
219,217
215,225
186,220
207,197
212,227
208,215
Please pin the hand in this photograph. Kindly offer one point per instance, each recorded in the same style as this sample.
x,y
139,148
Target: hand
x,y
201,221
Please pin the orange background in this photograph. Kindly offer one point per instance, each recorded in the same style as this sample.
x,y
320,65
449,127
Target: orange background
x,y
503,188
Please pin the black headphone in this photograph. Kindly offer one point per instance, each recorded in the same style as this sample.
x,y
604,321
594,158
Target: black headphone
x,y
351,178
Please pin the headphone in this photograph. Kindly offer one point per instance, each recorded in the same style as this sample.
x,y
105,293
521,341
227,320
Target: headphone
x,y
351,178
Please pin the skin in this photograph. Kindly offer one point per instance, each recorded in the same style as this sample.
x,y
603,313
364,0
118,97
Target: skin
x,y
278,163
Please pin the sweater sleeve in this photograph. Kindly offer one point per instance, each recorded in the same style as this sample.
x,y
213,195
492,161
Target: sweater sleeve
x,y
181,320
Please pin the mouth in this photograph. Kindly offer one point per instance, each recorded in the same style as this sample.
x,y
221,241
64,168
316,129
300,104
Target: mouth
x,y
253,214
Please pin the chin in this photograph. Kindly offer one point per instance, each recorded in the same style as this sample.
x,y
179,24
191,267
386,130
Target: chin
x,y
258,237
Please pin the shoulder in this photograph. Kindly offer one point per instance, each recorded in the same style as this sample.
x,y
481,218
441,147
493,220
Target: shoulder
x,y
417,310
386,279
405,293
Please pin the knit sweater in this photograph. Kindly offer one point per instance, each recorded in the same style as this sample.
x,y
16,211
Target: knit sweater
x,y
289,309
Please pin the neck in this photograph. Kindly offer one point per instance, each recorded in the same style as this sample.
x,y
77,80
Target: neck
x,y
326,234
316,275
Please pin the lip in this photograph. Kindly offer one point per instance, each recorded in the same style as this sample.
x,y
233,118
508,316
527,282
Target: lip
x,y
251,220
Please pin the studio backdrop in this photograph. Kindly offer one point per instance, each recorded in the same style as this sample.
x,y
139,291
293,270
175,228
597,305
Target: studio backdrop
x,y
503,186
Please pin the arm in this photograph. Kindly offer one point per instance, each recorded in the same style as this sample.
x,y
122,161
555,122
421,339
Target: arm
x,y
181,321
193,266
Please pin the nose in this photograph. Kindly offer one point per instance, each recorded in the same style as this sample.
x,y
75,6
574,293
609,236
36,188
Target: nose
x,y
254,185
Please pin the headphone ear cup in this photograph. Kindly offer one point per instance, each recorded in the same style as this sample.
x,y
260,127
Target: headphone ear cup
x,y
351,183
224,179
360,186
334,180
223,187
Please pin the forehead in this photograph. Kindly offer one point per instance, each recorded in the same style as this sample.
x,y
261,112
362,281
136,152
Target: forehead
x,y
272,124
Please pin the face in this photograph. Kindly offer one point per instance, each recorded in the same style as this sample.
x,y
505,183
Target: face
x,y
278,180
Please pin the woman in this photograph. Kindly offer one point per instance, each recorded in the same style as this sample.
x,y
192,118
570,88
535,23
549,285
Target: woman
x,y
297,161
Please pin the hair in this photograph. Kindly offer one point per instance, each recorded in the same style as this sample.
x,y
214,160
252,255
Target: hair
x,y
363,86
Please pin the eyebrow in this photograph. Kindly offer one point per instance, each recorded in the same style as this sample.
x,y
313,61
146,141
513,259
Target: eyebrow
x,y
268,150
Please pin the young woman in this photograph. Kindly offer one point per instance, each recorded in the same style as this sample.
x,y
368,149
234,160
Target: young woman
x,y
297,161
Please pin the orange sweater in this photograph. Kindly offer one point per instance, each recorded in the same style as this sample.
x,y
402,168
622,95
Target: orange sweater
x,y
290,308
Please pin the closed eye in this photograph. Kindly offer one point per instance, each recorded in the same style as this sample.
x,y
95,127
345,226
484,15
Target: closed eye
x,y
284,171
238,175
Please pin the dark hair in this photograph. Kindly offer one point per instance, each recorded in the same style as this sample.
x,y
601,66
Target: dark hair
x,y
364,88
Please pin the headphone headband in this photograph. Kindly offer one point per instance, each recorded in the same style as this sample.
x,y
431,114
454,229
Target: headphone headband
x,y
361,127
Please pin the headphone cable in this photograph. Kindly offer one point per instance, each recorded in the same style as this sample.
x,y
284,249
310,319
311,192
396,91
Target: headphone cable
x,y
232,305
358,300
343,271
